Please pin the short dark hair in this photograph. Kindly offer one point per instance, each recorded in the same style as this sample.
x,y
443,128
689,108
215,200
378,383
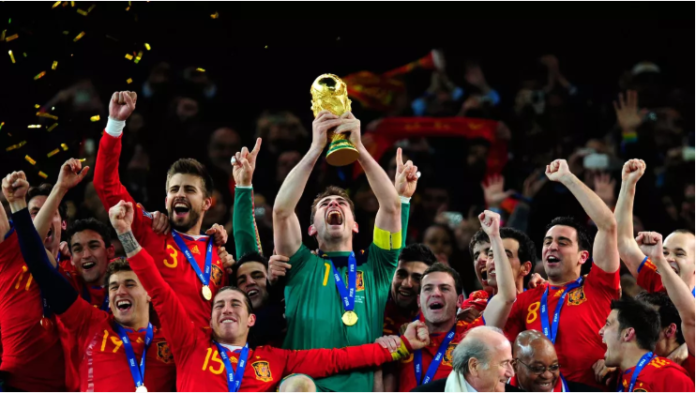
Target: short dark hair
x,y
527,249
250,257
479,237
92,225
247,301
441,267
640,316
584,240
329,191
668,312
417,252
44,189
189,166
116,265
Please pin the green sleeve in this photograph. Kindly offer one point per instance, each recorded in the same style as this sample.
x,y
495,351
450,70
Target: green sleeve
x,y
297,261
405,211
243,223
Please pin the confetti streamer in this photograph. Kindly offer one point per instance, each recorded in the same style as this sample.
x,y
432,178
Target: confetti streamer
x,y
64,146
11,56
199,69
82,159
45,176
129,56
16,146
72,4
129,6
56,4
94,118
81,12
129,80
30,160
46,115
138,57
54,65
91,8
34,126
12,37
52,127
147,46
24,54
37,106
40,75
2,35
53,152
82,34
1,125
215,15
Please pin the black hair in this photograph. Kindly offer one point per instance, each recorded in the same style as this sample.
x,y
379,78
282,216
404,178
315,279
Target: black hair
x,y
479,237
668,312
525,252
247,301
92,225
441,267
640,316
250,257
44,189
584,241
189,166
417,252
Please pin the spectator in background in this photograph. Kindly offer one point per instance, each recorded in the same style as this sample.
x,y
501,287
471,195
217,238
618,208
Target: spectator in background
x,y
224,142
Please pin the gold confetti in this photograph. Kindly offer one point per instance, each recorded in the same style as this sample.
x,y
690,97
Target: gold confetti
x,y
72,4
94,118
64,146
40,75
129,6
215,15
199,69
45,176
2,35
82,159
147,46
129,80
53,152
11,56
30,160
24,54
47,115
265,47
37,106
53,126
91,8
82,34
65,32
34,126
65,3
12,37
138,57
1,125
54,65
81,12
16,146
129,56
56,4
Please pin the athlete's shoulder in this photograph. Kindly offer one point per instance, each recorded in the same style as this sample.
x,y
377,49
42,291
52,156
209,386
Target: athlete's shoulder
x,y
531,295
463,326
663,365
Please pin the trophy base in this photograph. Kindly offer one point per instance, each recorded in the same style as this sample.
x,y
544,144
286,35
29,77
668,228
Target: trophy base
x,y
342,156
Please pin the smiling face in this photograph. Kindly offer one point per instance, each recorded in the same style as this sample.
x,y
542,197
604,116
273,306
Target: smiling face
x,y
186,201
52,240
561,254
128,299
90,256
678,249
406,283
333,220
438,298
480,254
230,319
542,357
252,279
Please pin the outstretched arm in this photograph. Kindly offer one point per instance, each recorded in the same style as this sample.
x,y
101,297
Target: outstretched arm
x,y
605,252
498,309
406,181
244,228
629,251
4,223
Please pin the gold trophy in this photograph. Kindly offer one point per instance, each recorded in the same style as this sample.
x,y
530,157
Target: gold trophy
x,y
329,92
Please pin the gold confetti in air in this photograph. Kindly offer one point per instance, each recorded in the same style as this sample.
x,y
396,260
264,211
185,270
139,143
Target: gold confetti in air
x,y
16,146
129,56
65,32
24,54
40,75
34,126
45,176
11,56
1,125
138,57
53,152
64,146
82,34
147,46
12,37
82,159
129,80
91,7
47,115
199,69
94,118
215,15
30,160
37,106
129,6
81,12
265,47
54,65
56,4
52,127
2,35
72,4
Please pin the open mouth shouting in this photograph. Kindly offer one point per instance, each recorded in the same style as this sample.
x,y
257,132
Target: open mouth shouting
x,y
181,209
553,261
124,305
87,265
436,305
334,217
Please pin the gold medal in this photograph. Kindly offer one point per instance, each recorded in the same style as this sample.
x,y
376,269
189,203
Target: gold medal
x,y
349,318
207,293
141,389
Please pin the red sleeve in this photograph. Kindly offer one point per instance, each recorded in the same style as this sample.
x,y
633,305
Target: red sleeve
x,y
516,322
176,323
78,319
107,182
320,363
607,284
677,381
648,278
477,300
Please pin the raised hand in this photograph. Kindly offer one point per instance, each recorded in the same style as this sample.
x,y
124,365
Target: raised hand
x,y
219,234
160,223
468,314
324,122
417,335
633,170
490,222
227,259
535,281
407,176
350,127
628,115
71,174
558,171
277,267
604,186
651,244
532,184
121,217
122,105
493,191
244,164
15,187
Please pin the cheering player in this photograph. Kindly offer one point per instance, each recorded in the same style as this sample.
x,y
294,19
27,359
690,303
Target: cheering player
x,y
440,296
187,260
570,309
204,356
630,333
322,309
679,245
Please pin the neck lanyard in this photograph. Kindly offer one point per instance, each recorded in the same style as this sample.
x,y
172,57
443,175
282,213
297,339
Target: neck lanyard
x,y
88,297
347,294
138,374
639,367
234,378
552,331
435,364
204,277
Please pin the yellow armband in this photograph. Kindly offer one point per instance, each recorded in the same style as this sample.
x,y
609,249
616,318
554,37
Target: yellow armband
x,y
387,240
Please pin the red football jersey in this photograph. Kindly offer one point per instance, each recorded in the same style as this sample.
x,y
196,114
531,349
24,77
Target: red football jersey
x,y
170,260
689,366
660,375
407,372
198,362
101,359
32,358
578,343
394,319
478,300
648,277
95,294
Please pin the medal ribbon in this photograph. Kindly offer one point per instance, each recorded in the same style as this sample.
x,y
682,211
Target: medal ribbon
x,y
639,367
552,331
204,277
137,373
347,294
435,364
234,378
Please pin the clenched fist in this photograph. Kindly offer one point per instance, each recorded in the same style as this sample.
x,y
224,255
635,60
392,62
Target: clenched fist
x,y
633,170
558,171
121,217
122,105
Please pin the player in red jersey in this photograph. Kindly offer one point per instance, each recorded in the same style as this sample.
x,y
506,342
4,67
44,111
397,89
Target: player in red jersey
x,y
187,260
680,244
440,296
630,333
578,304
204,356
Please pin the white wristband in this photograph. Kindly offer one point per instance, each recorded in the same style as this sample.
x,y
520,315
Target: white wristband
x,y
405,200
249,187
115,127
